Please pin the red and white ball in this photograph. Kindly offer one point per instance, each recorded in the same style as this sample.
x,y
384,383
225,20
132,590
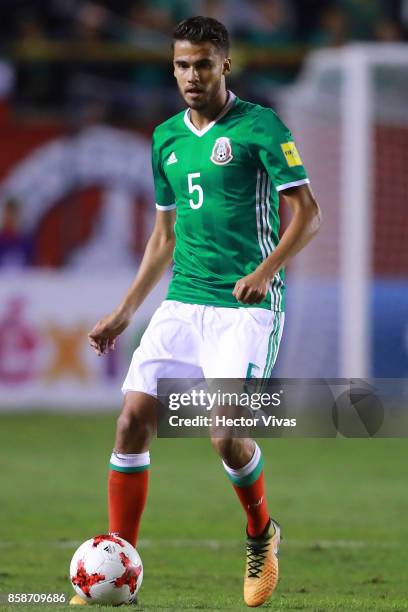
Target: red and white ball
x,y
106,569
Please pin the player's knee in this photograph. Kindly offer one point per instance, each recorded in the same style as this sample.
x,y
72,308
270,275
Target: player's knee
x,y
223,446
133,422
236,452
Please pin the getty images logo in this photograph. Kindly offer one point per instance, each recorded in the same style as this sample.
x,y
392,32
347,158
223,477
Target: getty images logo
x,y
358,412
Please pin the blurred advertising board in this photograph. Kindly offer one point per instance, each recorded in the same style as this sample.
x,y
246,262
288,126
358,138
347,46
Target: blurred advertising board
x,y
389,322
45,360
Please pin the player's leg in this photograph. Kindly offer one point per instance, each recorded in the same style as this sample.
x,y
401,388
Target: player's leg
x,y
168,349
238,343
243,463
245,342
129,468
129,464
242,460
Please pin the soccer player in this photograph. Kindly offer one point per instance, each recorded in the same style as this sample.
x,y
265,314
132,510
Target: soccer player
x,y
218,169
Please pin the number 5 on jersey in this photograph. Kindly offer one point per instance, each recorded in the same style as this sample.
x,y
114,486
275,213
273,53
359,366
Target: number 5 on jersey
x,y
192,188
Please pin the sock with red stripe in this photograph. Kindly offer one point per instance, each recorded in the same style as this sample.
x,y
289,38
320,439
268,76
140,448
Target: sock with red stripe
x,y
127,493
249,485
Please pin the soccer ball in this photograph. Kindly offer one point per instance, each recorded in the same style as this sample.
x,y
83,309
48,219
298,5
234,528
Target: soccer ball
x,y
106,570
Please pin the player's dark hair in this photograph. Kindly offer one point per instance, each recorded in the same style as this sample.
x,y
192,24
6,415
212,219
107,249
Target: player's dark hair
x,y
203,29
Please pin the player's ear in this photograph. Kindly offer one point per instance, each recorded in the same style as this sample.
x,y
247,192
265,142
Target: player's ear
x,y
226,69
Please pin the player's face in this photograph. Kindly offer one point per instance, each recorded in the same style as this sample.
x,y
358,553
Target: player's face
x,y
199,70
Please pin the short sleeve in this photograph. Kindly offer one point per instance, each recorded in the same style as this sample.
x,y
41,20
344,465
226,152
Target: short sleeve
x,y
273,145
165,199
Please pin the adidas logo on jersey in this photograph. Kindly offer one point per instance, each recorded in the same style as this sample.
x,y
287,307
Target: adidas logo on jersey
x,y
172,159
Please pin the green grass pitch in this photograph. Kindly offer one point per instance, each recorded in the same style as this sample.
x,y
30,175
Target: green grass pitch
x,y
342,505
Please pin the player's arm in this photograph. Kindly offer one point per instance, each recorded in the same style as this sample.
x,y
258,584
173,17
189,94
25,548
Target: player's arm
x,y
305,223
156,259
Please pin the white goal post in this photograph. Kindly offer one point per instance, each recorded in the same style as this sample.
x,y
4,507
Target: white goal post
x,y
334,109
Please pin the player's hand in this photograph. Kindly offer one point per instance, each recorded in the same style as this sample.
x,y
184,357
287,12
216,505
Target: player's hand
x,y
252,289
103,336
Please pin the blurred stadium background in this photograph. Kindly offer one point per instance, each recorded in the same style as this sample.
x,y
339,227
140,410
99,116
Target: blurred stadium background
x,y
82,85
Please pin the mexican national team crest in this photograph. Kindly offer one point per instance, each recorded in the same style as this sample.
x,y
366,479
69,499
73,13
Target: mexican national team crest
x,y
222,151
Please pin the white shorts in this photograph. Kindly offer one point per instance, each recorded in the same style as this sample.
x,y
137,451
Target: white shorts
x,y
195,341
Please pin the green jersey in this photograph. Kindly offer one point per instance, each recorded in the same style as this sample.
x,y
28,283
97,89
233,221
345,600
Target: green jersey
x,y
224,181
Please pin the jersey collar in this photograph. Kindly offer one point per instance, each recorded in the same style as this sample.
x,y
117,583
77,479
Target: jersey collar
x,y
222,113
